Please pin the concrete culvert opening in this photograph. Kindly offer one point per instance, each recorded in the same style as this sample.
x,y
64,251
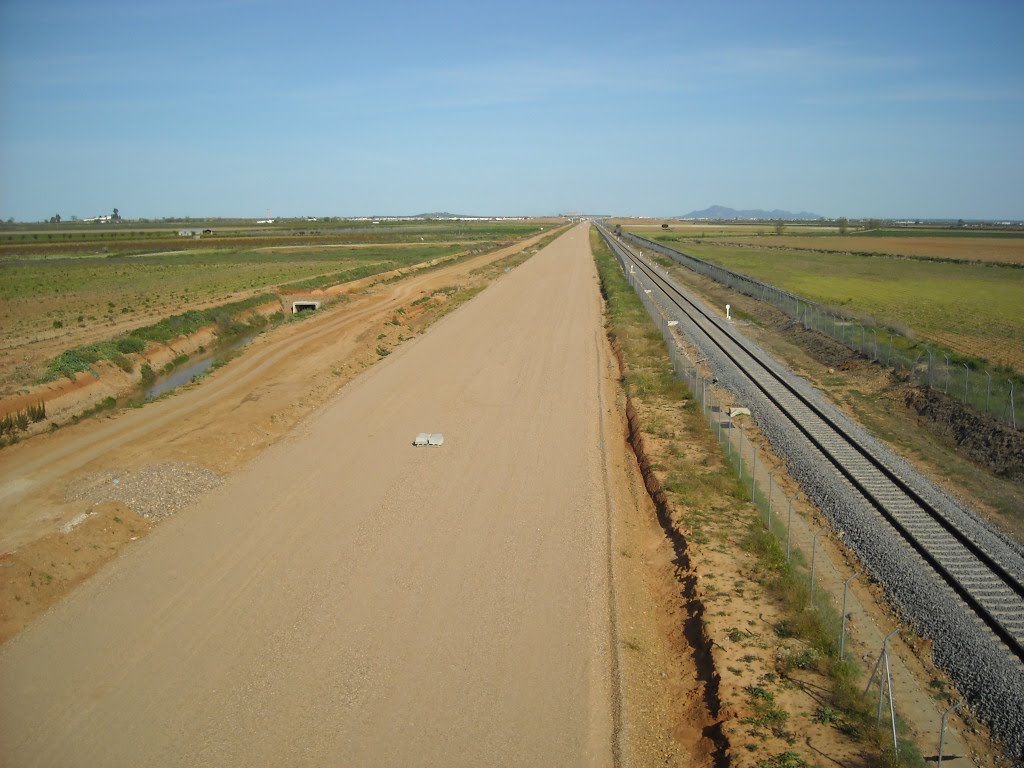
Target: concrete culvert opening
x,y
304,306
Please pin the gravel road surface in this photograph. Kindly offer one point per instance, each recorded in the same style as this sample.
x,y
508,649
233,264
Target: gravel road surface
x,y
348,599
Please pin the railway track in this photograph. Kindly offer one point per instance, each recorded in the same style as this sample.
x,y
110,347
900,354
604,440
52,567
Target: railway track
x,y
989,585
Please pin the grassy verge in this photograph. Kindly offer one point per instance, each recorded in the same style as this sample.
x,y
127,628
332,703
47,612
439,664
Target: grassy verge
x,y
116,351
743,564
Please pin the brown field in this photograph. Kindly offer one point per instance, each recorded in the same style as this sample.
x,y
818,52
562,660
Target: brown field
x,y
711,229
1001,250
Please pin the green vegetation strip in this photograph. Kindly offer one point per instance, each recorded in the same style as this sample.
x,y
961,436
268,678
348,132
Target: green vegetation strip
x,y
713,497
79,359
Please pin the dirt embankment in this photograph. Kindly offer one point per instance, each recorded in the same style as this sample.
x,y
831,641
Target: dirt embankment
x,y
66,397
990,443
704,703
753,706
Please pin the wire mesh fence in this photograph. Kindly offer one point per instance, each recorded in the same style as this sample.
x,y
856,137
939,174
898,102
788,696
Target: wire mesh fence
x,y
998,395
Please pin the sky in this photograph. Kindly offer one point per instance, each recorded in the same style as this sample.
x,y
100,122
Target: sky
x,y
254,107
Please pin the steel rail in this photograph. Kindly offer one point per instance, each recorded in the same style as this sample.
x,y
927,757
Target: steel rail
x,y
855,453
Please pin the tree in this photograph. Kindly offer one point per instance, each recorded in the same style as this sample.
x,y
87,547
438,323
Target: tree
x,y
844,225
779,227
872,224
116,216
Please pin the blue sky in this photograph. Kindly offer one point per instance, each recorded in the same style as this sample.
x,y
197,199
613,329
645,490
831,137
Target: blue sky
x,y
239,107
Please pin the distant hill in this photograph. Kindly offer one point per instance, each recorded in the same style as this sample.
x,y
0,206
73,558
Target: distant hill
x,y
721,212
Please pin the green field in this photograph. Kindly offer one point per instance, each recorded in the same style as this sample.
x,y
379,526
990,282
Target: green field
x,y
80,290
19,240
969,308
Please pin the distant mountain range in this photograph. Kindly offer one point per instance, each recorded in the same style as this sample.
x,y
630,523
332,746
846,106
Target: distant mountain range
x,y
721,212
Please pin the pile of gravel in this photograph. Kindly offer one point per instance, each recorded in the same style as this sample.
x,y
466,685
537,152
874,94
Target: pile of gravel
x,y
155,491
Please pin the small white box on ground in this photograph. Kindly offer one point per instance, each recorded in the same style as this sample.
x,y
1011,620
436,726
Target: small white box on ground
x,y
429,438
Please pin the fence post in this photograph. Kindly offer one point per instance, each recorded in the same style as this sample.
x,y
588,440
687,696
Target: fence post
x,y
789,527
942,730
771,487
842,630
967,378
814,556
1013,411
742,439
946,389
753,471
884,658
988,390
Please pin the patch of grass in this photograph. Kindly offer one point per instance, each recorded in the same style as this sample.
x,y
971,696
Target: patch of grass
x,y
784,760
107,404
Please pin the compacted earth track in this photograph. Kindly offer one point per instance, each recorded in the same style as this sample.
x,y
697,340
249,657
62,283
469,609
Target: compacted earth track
x,y
347,598
973,571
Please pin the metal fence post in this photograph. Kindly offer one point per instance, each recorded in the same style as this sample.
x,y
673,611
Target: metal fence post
x,y
771,487
988,390
842,630
892,705
814,555
879,668
945,391
967,378
942,730
1013,410
753,471
742,439
789,528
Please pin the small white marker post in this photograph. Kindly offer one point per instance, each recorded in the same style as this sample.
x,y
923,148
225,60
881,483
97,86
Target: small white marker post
x,y
727,315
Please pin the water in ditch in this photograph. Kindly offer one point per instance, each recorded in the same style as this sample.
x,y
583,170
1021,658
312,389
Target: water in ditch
x,y
196,366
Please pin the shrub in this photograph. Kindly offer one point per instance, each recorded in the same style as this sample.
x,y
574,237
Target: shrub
x,y
37,412
130,345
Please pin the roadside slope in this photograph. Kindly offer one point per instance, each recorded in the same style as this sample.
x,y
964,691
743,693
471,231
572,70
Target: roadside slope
x,y
346,598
